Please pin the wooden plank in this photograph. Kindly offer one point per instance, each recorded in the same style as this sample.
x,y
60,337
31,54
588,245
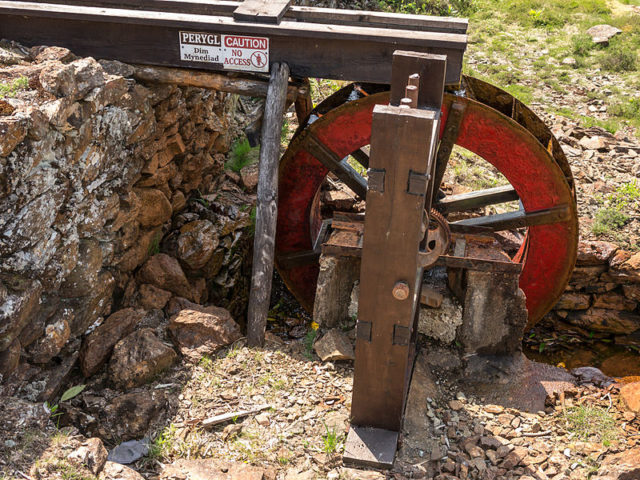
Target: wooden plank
x,y
295,13
477,199
241,84
448,140
225,417
400,143
149,37
304,103
261,11
266,206
379,19
512,220
479,264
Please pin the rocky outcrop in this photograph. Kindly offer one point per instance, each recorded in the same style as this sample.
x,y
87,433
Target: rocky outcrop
x,y
113,199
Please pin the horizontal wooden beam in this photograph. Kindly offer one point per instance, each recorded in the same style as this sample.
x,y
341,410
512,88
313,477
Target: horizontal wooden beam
x,y
477,199
294,13
152,38
242,85
512,220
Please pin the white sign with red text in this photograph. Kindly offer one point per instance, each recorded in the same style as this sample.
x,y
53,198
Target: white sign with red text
x,y
233,52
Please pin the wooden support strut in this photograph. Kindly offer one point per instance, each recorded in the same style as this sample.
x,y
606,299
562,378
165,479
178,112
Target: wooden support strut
x,y
402,155
266,206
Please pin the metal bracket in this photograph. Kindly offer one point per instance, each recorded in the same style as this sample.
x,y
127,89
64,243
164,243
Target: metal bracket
x,y
376,179
417,183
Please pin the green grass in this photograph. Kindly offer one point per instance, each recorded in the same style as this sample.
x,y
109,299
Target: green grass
x,y
332,441
309,339
592,423
12,88
241,155
613,215
430,7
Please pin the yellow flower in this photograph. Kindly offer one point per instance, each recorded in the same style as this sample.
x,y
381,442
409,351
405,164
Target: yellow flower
x,y
314,326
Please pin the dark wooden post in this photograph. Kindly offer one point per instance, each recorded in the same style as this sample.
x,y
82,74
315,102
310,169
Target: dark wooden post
x,y
403,144
267,205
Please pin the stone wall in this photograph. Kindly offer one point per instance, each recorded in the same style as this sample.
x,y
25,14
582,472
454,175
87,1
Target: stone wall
x,y
112,194
603,296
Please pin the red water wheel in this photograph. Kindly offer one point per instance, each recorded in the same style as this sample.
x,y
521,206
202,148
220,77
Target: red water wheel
x,y
480,118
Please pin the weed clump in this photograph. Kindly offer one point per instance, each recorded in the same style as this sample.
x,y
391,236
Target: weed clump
x,y
589,422
242,154
582,45
11,89
620,58
613,215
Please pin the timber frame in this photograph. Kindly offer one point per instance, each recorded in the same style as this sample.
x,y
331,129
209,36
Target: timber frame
x,y
314,42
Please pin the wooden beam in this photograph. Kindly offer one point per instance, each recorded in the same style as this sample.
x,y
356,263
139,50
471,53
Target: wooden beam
x,y
448,140
304,103
152,38
362,156
250,86
261,11
296,13
477,199
512,220
266,206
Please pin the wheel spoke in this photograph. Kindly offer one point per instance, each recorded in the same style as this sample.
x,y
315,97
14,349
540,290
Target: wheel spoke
x,y
477,199
337,165
512,220
362,156
449,137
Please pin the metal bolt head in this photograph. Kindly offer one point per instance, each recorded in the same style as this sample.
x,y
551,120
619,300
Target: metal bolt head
x,y
401,291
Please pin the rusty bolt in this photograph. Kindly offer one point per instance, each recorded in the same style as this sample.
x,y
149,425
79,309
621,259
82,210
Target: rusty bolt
x,y
401,291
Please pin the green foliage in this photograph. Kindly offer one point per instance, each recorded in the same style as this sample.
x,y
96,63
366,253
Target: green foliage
x,y
10,89
154,246
163,443
430,7
252,225
242,154
591,422
72,392
613,215
332,441
582,44
620,57
309,339
629,109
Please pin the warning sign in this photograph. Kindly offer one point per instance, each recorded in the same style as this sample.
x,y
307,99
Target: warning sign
x,y
232,52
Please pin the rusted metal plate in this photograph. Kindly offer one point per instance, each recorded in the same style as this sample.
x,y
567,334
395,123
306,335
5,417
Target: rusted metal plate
x,y
370,447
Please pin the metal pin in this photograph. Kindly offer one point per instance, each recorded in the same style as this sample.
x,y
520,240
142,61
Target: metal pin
x,y
411,92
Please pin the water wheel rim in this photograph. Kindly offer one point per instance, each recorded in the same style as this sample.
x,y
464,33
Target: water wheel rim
x,y
549,251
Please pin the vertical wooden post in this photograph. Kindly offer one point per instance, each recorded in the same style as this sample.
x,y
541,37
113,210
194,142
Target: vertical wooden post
x,y
267,205
304,103
403,144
